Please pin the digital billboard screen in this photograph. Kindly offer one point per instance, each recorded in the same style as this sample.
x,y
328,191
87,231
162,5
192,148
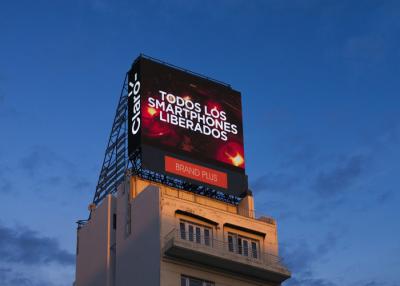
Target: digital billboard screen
x,y
186,125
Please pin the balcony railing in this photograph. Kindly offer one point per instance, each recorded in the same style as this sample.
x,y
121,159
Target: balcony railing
x,y
221,254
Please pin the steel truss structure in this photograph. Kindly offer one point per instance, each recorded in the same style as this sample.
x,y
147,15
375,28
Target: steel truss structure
x,y
115,161
117,164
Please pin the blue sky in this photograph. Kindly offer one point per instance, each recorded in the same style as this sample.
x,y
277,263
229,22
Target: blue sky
x,y
320,86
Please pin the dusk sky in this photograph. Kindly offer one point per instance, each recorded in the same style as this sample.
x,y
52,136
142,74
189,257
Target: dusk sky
x,y
320,83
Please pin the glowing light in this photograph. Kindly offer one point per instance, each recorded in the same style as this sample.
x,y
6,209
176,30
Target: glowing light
x,y
152,111
236,160
187,97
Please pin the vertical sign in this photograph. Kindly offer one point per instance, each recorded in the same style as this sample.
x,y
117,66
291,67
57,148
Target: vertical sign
x,y
134,108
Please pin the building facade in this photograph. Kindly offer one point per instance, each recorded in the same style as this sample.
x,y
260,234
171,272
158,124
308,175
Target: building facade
x,y
149,234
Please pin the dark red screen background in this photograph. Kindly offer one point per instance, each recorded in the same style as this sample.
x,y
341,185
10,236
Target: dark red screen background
x,y
175,139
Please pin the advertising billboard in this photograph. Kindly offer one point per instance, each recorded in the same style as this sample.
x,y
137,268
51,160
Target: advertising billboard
x,y
186,126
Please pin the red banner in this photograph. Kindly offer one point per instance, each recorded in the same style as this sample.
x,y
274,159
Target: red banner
x,y
196,172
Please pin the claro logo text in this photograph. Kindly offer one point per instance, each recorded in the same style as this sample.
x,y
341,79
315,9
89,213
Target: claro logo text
x,y
135,92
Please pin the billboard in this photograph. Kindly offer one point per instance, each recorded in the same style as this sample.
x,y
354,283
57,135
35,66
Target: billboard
x,y
186,126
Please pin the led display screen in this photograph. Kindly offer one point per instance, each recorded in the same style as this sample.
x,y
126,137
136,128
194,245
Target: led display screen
x,y
186,125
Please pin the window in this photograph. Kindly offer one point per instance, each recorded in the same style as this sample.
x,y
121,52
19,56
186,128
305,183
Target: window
x,y
243,245
77,244
207,236
182,228
194,232
254,249
128,224
190,281
114,221
190,232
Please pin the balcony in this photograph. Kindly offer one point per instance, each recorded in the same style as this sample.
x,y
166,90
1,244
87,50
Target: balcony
x,y
216,254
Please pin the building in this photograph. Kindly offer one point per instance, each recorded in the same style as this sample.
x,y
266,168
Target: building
x,y
149,234
172,205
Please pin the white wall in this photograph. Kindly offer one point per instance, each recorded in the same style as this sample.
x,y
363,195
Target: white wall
x,y
138,254
95,238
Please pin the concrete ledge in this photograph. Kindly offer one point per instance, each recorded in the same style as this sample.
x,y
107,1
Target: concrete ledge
x,y
227,261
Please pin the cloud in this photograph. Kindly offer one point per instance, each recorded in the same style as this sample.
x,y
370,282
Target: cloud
x,y
373,282
300,258
296,166
8,277
3,273
366,48
81,184
275,182
301,155
5,184
6,110
297,256
100,6
309,282
384,197
342,176
24,246
390,135
41,157
50,169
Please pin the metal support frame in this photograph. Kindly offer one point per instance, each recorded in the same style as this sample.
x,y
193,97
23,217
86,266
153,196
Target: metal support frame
x,y
146,174
116,163
115,160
